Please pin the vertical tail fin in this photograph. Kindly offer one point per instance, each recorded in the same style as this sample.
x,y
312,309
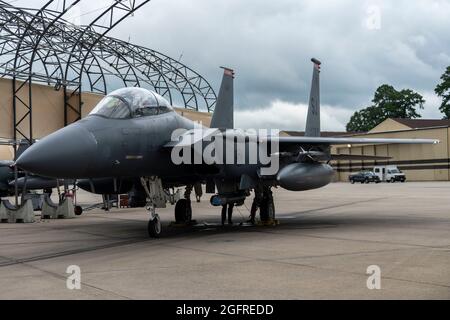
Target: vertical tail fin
x,y
313,119
223,112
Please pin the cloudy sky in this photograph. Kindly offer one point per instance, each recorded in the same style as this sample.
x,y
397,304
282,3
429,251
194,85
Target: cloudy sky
x,y
362,45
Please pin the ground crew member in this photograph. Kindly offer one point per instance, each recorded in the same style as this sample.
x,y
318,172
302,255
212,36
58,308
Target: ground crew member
x,y
198,191
255,204
230,213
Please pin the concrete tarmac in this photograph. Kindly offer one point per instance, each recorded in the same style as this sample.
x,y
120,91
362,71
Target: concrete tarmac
x,y
326,240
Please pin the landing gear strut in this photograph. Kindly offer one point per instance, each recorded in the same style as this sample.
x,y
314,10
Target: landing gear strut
x,y
155,198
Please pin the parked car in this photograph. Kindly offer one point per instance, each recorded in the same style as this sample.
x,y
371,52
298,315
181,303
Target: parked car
x,y
364,177
389,173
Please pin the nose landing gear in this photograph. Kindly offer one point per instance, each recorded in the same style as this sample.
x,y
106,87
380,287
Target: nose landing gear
x,y
155,198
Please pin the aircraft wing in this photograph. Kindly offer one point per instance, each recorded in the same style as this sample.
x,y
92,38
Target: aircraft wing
x,y
193,136
351,141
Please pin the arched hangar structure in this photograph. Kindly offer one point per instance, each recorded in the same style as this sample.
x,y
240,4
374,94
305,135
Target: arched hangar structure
x,y
40,47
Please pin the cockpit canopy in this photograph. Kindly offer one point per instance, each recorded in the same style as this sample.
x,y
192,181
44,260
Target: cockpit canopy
x,y
132,102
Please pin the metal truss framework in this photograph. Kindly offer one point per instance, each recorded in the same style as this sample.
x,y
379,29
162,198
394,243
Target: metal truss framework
x,y
39,46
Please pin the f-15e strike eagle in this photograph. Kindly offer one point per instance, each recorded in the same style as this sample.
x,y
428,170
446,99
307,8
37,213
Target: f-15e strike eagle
x,y
134,136
9,180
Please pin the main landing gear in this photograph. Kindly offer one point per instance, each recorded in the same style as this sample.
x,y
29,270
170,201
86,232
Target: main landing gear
x,y
183,211
183,208
157,198
267,207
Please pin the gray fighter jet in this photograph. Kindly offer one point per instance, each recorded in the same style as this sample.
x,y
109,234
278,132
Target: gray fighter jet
x,y
135,135
6,175
8,181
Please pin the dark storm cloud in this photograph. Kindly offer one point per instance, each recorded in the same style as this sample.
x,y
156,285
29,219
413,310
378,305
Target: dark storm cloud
x,y
269,43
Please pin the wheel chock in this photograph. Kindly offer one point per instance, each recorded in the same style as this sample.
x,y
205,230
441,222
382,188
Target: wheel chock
x,y
268,223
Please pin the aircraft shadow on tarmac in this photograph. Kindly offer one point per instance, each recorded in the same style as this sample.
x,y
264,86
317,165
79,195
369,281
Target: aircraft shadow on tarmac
x,y
121,231
292,221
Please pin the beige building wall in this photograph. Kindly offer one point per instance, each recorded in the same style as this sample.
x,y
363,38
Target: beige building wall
x,y
48,115
421,162
6,153
90,100
389,125
6,127
203,117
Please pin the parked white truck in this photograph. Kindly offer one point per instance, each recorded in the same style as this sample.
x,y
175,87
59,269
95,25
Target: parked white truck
x,y
389,173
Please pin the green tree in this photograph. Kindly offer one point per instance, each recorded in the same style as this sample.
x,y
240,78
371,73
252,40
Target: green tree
x,y
364,120
443,91
397,104
387,103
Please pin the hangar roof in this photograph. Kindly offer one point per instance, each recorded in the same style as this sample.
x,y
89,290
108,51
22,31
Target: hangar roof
x,y
399,124
388,125
423,123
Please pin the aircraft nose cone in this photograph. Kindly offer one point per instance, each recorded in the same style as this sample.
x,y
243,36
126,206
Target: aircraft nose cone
x,y
65,153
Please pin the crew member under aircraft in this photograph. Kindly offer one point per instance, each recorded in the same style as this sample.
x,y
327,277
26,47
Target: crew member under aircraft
x,y
230,213
198,191
255,204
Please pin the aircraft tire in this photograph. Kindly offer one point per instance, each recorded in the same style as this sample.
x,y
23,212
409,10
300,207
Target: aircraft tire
x,y
78,210
183,211
154,227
